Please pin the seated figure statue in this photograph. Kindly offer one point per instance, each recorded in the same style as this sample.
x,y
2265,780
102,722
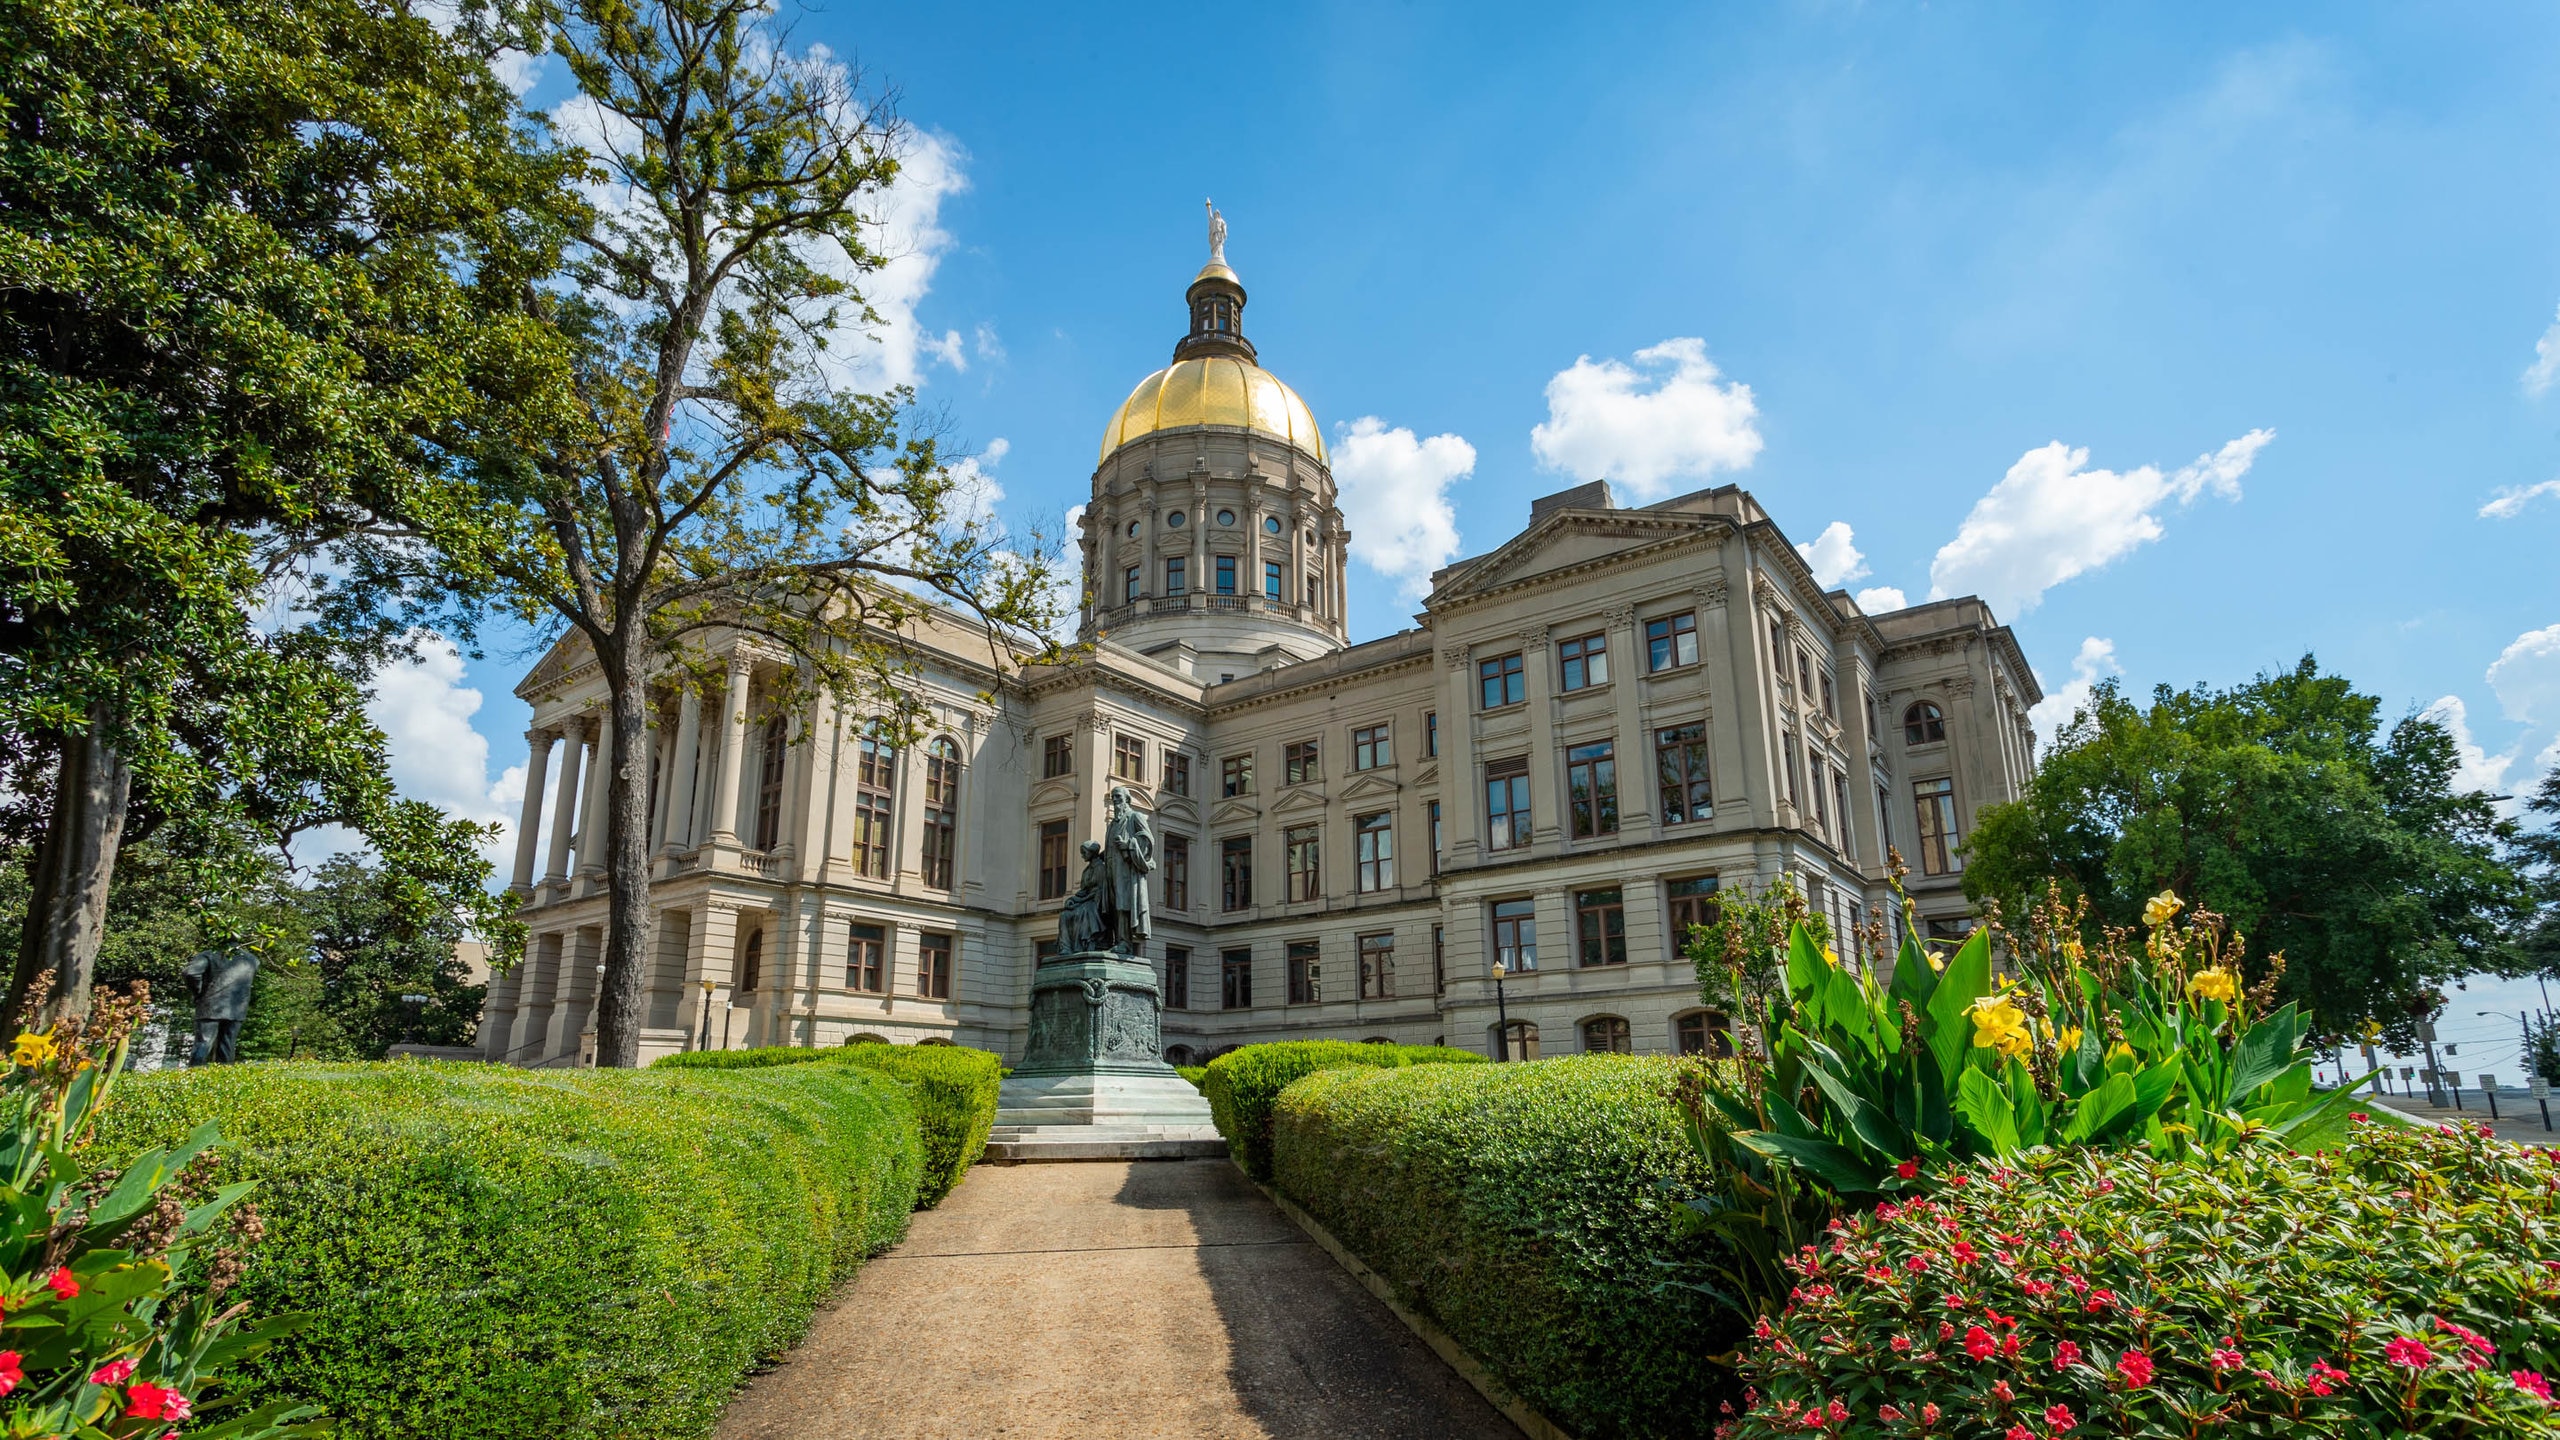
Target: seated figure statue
x,y
1080,920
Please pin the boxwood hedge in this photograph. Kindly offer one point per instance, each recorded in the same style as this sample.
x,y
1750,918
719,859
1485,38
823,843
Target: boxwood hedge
x,y
1529,1209
1242,1084
505,1253
954,1088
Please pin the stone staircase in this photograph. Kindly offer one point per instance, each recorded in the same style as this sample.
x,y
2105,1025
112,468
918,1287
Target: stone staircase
x,y
1101,1117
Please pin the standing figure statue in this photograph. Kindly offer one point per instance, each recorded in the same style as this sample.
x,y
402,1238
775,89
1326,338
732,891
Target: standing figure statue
x,y
221,981
1217,234
1128,857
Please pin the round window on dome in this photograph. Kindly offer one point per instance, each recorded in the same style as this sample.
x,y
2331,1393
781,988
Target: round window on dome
x,y
1173,519
1271,524
1226,517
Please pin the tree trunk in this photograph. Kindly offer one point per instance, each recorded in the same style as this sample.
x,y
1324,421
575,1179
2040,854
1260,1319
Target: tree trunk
x,y
67,899
629,917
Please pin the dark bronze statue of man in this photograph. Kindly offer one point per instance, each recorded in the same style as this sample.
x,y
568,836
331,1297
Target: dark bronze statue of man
x,y
1128,857
221,980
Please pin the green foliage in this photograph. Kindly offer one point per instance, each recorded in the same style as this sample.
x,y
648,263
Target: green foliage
x,y
1527,1209
551,1255
2539,849
954,1089
1198,1075
2243,1283
1741,954
2283,805
1243,1084
107,1267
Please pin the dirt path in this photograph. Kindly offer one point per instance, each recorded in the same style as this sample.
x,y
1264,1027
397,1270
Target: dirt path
x,y
1136,1299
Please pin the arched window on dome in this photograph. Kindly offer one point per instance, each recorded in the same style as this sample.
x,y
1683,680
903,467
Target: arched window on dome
x,y
941,811
1923,724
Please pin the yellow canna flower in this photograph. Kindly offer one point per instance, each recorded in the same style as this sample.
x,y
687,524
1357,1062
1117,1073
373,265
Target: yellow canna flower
x,y
2161,908
1831,957
1998,1024
2122,1050
1934,962
2071,1037
32,1049
2215,984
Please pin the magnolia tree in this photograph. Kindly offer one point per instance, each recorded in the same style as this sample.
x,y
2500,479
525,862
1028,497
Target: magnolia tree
x,y
711,468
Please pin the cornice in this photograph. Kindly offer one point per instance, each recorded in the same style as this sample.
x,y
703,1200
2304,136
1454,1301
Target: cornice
x,y
1678,530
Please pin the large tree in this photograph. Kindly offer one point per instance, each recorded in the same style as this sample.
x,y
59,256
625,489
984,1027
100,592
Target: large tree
x,y
2284,804
260,260
2539,848
715,468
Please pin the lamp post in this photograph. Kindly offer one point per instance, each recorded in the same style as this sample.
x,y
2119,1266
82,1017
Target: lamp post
x,y
413,1008
704,1043
1501,1011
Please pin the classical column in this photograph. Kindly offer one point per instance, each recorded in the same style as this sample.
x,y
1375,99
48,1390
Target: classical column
x,y
733,750
564,805
683,773
1198,581
591,829
529,820
1461,799
1251,583
1546,765
1636,796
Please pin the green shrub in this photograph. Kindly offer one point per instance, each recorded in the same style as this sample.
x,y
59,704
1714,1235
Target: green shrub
x,y
954,1088
505,1253
1242,1084
1197,1074
2407,1283
1529,1210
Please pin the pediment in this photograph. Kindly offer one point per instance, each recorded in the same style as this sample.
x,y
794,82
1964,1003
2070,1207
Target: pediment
x,y
1368,785
1567,540
1178,809
1055,791
1427,774
1303,797
1233,812
565,655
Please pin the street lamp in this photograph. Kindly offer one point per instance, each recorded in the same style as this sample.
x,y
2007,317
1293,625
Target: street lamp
x,y
704,1043
1501,1011
415,1007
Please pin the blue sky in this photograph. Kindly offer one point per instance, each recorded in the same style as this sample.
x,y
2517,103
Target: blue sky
x,y
1889,267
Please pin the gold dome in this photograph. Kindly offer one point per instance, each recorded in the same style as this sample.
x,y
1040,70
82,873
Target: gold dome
x,y
1214,390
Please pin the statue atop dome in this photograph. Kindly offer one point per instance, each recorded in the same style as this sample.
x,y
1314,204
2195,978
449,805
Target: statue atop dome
x,y
1217,234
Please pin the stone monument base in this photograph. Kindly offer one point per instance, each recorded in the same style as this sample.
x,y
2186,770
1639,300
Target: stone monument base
x,y
1093,1084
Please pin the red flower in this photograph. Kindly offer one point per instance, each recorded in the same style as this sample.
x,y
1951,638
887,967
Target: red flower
x,y
61,1283
1887,1412
1928,1412
2227,1359
2358,1116
2019,1432
1900,1343
1946,1331
1978,1343
2135,1367
12,1370
2101,1300
2037,1289
1837,1411
2001,1392
114,1372
2324,1377
2409,1352
2060,1418
1888,1211
2532,1383
155,1402
2008,1346
1965,1254
1908,1169
1917,1264
2065,1355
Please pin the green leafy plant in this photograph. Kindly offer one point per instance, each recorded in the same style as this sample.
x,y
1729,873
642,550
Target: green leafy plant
x,y
118,1322
2404,1282
1243,1084
954,1088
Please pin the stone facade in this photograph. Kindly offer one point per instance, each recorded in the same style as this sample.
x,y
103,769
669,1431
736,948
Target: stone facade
x,y
1592,728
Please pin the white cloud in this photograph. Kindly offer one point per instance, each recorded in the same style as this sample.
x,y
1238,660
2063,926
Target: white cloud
x,y
1834,556
2544,372
2050,518
1882,598
2095,662
2510,500
990,346
2526,676
1641,426
2474,768
1395,498
424,711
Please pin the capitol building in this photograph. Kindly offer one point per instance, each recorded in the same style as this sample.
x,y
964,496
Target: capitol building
x,y
1593,729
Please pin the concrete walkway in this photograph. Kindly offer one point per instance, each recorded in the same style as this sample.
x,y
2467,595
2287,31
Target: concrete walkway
x,y
1108,1300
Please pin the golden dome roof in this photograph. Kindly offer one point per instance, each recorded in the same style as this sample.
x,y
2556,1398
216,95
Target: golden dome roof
x,y
1214,390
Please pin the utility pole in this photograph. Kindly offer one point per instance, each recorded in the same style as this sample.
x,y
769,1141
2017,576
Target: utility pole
x,y
2427,1034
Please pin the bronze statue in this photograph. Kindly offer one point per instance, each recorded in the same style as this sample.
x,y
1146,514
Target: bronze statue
x,y
221,980
1110,909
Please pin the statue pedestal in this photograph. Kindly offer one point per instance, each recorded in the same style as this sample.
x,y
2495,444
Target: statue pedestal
x,y
1093,1084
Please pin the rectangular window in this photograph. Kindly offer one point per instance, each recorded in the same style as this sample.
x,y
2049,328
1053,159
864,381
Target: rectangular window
x,y
941,813
1600,926
1057,756
1671,642
1506,803
1271,579
1053,859
1129,758
1804,676
1884,815
1129,584
1043,950
933,966
1235,872
1778,648
1821,797
1935,801
866,963
1515,935
1439,962
1177,978
1235,979
1840,794
1177,574
1376,842
1591,787
1306,973
1693,902
1298,763
875,770
1372,747
1226,574
1504,681
1177,773
1435,837
1431,733
1789,752
1177,872
1315,588
1298,854
1703,1032
1830,697
1868,697
1680,774
1378,967
1235,776
1586,662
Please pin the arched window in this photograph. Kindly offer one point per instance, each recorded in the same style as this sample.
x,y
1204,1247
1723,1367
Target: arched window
x,y
874,782
937,1040
777,739
1924,723
1518,1041
1703,1032
1607,1035
866,1038
1177,1054
941,811
751,964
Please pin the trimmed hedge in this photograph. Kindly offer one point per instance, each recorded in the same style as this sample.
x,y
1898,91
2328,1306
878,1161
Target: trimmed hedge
x,y
2407,1283
1198,1075
1242,1084
1530,1209
954,1088
539,1255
